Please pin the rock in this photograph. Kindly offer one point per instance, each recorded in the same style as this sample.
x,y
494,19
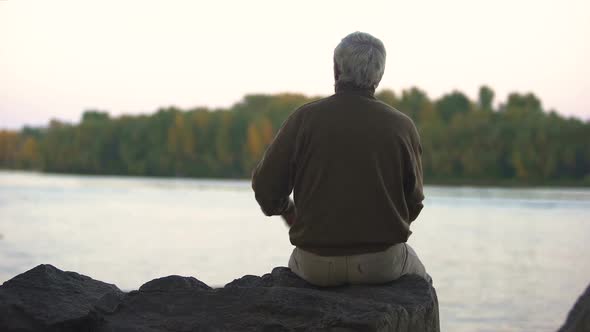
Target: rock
x,y
173,283
279,277
279,301
48,299
578,319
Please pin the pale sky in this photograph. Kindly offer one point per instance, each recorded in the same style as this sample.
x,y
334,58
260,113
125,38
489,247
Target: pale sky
x,y
58,58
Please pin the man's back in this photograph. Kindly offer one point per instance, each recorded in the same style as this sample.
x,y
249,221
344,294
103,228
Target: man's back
x,y
354,165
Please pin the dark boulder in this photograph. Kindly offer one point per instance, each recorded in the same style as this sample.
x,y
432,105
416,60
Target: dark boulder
x,y
279,301
578,319
173,283
48,299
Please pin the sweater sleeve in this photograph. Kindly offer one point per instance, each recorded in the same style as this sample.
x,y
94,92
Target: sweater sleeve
x,y
414,184
272,178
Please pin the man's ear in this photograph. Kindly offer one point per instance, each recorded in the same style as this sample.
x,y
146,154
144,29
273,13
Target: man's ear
x,y
336,72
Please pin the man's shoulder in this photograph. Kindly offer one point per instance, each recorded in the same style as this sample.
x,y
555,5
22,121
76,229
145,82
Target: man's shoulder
x,y
315,104
311,107
395,114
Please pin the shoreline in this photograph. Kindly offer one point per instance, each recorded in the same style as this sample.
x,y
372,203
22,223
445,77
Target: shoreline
x,y
451,182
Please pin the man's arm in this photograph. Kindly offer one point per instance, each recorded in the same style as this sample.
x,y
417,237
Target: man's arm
x,y
414,190
272,179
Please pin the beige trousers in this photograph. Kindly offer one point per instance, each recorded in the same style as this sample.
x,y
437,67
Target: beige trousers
x,y
371,268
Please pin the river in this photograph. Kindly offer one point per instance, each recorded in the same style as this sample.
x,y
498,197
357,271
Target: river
x,y
501,259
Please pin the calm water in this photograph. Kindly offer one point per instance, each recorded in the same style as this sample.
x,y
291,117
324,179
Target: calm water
x,y
501,259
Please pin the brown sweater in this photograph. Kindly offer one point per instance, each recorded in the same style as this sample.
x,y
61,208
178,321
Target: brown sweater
x,y
354,165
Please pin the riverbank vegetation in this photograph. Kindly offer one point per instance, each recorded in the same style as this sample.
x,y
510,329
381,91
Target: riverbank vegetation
x,y
464,141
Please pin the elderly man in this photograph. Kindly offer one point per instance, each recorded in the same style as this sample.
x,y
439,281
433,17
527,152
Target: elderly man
x,y
354,165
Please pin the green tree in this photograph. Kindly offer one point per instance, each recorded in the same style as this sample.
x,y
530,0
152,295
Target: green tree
x,y
463,141
486,98
452,104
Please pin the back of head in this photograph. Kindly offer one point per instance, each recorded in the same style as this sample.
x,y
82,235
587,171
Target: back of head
x,y
359,60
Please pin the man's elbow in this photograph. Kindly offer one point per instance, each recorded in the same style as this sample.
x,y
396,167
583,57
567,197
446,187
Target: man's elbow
x,y
272,207
414,211
265,206
267,211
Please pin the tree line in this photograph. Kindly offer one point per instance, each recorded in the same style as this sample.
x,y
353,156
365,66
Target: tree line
x,y
464,141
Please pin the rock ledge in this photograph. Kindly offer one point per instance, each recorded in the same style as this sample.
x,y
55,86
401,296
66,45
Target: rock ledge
x,y
48,299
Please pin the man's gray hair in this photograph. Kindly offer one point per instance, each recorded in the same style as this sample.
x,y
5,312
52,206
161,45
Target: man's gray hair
x,y
360,60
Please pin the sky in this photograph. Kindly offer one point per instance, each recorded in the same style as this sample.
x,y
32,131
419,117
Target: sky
x,y
59,58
